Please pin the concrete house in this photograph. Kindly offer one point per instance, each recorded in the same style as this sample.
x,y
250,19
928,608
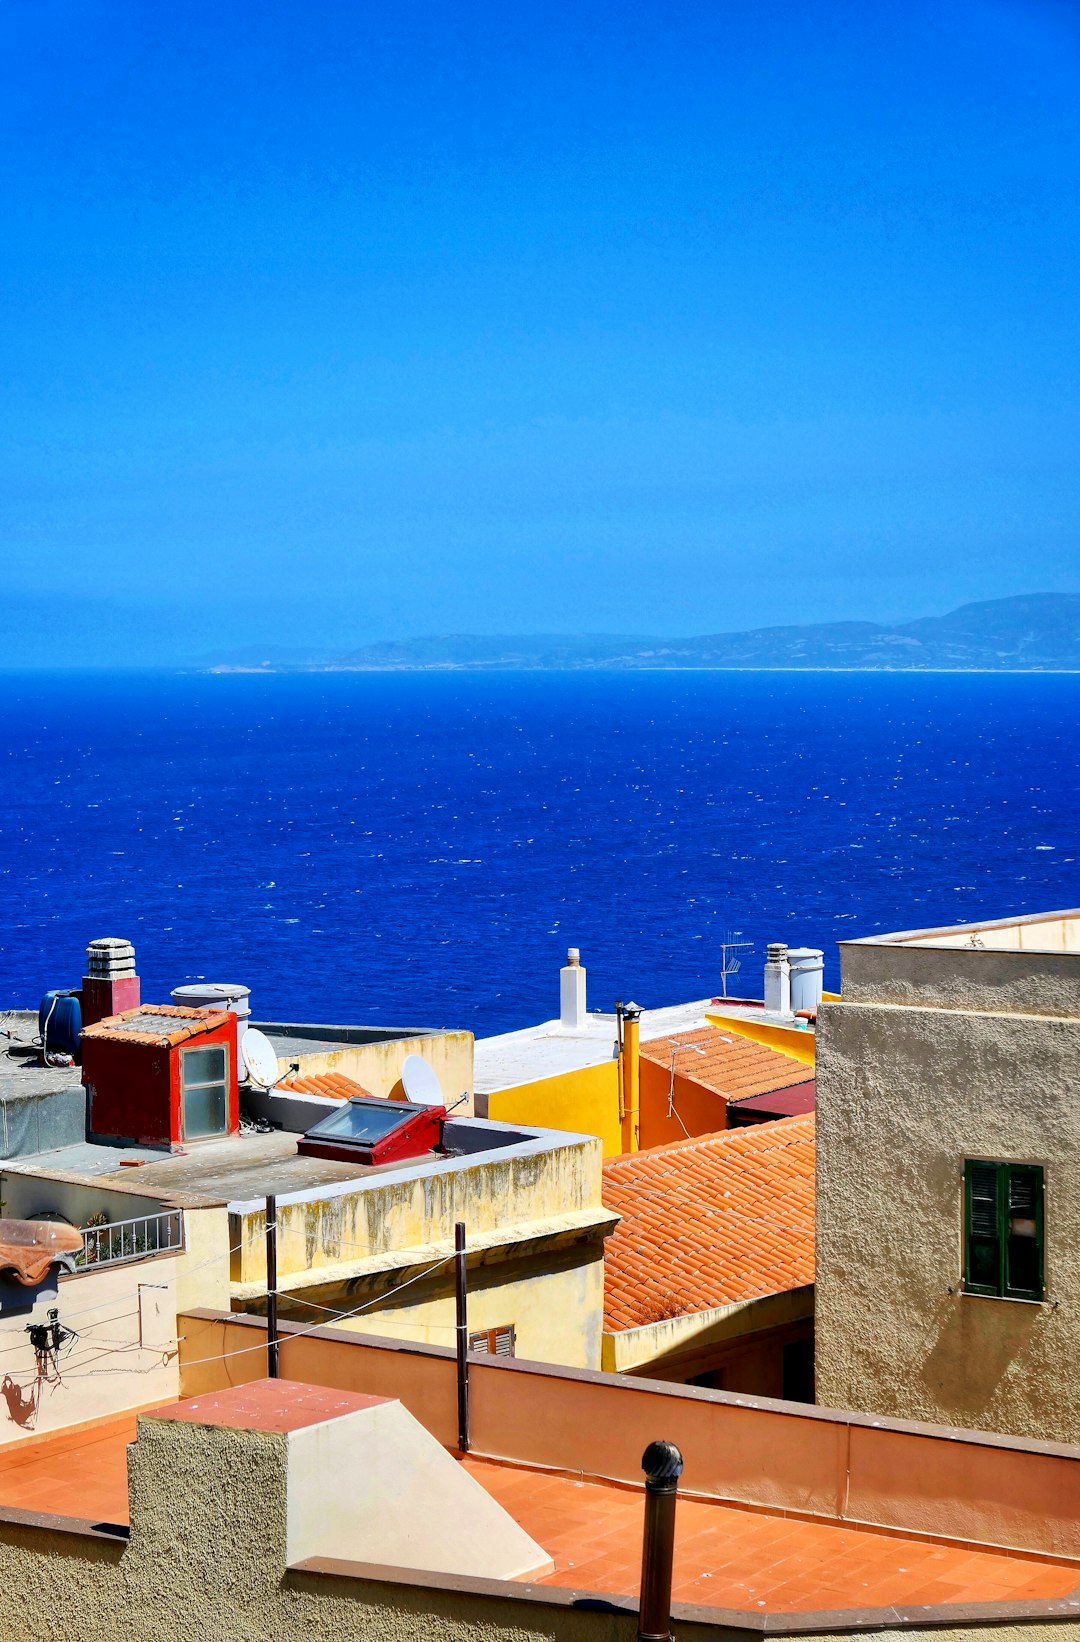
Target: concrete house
x,y
948,1202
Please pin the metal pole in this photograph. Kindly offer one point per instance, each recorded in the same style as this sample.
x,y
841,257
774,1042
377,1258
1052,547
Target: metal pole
x,y
662,1464
462,1337
271,1289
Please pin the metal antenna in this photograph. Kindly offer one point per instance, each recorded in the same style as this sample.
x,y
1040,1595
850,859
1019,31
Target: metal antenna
x,y
731,966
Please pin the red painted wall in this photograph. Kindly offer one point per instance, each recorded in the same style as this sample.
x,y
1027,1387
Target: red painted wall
x,y
134,1088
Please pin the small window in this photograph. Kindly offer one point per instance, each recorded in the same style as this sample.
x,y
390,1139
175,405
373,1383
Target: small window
x,y
204,1085
495,1342
1003,1229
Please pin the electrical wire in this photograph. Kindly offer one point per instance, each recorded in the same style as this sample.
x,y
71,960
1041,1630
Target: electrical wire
x,y
299,1334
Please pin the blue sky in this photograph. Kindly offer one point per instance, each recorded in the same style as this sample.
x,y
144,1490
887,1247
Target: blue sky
x,y
325,324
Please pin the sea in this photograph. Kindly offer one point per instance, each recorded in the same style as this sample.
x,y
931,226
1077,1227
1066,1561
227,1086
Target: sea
x,y
420,849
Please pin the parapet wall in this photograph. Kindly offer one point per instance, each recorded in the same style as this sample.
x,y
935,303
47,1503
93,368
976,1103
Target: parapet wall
x,y
836,1466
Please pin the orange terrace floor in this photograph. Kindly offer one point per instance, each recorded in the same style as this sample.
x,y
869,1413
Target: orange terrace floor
x,y
724,1557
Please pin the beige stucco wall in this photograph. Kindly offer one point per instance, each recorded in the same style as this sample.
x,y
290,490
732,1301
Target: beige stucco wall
x,y
555,1302
125,1356
378,1065
203,1270
904,1095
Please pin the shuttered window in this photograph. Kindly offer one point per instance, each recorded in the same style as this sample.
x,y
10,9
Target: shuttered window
x,y
496,1342
1003,1229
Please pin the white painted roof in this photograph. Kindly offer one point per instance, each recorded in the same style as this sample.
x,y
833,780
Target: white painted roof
x,y
548,1050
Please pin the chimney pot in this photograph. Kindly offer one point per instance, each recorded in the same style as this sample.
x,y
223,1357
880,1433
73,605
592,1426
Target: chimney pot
x,y
572,992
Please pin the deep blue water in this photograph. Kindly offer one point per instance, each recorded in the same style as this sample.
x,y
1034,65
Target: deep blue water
x,y
421,849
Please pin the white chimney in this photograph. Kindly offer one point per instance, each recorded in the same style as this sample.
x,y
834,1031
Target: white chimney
x,y
778,979
572,993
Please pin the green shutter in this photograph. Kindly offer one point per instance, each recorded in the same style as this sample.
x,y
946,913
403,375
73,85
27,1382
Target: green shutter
x,y
1023,1232
1004,1230
983,1243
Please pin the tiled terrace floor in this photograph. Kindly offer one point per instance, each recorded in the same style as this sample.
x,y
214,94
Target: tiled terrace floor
x,y
724,1558
727,1558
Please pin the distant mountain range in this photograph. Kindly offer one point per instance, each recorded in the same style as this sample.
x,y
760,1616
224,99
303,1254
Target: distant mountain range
x,y
1033,632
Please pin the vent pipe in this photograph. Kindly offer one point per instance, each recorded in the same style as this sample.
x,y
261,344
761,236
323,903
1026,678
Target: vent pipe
x,y
662,1464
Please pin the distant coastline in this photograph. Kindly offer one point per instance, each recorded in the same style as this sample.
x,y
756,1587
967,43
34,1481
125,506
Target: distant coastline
x,y
1031,633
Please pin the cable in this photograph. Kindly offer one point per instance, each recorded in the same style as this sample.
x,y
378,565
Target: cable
x,y
244,1351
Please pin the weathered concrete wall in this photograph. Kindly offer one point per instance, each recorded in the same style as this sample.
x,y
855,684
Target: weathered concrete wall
x,y
417,1207
378,1065
904,1096
125,1318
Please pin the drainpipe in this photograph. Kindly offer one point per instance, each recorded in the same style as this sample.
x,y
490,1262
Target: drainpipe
x,y
662,1464
631,1078
619,1007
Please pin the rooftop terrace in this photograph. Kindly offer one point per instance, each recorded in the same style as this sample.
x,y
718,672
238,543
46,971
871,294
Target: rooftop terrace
x,y
725,1557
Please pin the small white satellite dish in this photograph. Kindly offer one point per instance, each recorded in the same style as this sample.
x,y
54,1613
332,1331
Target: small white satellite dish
x,y
421,1083
261,1060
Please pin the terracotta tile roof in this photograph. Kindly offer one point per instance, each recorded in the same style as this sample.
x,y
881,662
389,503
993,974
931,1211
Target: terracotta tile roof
x,y
160,1024
334,1085
710,1221
733,1066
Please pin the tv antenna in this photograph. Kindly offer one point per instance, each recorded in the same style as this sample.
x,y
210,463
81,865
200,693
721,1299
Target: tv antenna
x,y
731,966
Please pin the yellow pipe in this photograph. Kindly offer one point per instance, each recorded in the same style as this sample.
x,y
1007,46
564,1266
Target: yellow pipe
x,y
631,1080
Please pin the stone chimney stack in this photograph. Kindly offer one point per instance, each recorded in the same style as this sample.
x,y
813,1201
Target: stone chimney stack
x,y
572,993
778,979
110,984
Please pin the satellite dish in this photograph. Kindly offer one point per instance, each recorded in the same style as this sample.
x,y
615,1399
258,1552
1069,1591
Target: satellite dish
x,y
421,1083
258,1052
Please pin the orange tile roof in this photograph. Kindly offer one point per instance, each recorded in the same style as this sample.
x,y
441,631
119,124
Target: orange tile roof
x,y
334,1085
710,1221
733,1066
155,1028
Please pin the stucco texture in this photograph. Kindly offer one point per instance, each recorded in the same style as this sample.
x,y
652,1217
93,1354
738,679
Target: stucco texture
x,y
904,1096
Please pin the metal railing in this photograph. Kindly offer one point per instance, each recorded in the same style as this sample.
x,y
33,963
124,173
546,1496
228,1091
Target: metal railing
x,y
132,1239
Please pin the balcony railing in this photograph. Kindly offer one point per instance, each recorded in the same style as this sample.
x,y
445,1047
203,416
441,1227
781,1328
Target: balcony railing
x,y
108,1245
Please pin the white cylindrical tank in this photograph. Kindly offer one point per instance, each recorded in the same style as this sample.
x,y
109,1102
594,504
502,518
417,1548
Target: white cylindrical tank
x,y
807,964
216,995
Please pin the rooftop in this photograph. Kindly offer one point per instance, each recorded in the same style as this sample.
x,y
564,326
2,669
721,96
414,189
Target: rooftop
x,y
549,1049
709,1222
1035,932
159,1024
725,1556
330,1085
733,1066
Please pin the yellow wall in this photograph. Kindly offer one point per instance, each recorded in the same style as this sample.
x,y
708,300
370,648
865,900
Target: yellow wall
x,y
790,1040
394,1215
378,1065
556,1313
585,1102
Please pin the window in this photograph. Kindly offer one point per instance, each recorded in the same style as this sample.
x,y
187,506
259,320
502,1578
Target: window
x,y
204,1090
495,1342
1003,1229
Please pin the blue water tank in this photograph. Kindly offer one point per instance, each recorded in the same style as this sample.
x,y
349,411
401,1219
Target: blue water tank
x,y
60,1022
